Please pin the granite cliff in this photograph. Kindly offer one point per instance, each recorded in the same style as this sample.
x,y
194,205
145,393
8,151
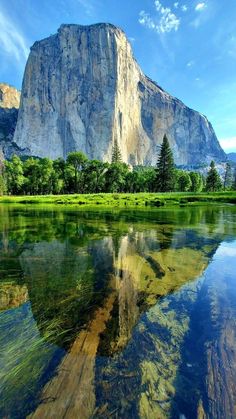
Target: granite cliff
x,y
83,90
9,104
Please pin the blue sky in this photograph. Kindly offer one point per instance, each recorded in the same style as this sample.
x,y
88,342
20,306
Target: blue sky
x,y
188,47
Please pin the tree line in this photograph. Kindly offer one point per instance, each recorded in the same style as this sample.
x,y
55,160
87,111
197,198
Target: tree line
x,y
78,174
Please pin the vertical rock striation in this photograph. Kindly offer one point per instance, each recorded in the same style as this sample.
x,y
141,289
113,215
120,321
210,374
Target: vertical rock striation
x,y
82,90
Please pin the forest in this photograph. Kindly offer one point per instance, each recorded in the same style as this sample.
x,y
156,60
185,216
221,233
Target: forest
x,y
78,174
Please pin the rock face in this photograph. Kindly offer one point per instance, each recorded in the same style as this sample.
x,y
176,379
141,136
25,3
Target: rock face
x,y
232,157
9,97
83,90
9,104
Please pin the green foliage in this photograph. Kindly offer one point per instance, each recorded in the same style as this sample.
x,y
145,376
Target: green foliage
x,y
141,179
165,168
77,160
35,176
14,175
213,182
32,176
2,185
116,153
184,182
116,177
95,176
196,182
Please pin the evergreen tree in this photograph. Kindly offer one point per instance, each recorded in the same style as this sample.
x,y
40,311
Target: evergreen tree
x,y
228,176
234,181
213,182
2,180
165,168
116,153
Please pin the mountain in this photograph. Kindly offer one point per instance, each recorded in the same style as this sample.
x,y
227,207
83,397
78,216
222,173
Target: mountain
x,y
9,104
232,157
83,90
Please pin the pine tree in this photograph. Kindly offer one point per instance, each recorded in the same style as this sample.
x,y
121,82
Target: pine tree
x,y
213,182
165,168
116,153
228,176
234,181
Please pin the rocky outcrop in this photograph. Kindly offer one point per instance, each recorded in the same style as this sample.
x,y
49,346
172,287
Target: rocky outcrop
x,y
9,104
9,97
83,90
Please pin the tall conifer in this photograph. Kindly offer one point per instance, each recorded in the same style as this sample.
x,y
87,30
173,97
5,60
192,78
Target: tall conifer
x,y
213,182
165,168
116,153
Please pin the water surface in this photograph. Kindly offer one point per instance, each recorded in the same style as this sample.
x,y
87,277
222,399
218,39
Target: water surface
x,y
123,314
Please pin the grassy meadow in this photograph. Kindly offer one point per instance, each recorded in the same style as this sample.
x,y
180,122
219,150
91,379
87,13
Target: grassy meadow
x,y
126,199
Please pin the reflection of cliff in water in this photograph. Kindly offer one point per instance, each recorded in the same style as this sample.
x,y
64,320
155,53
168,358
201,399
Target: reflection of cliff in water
x,y
181,358
127,283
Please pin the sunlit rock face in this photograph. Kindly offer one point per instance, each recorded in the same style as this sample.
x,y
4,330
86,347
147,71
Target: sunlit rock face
x,y
83,90
9,97
9,104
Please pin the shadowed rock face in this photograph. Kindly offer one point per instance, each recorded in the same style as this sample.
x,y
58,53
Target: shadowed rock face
x,y
83,90
9,104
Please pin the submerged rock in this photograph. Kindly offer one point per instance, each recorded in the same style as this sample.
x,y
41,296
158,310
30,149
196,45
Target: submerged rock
x,y
12,295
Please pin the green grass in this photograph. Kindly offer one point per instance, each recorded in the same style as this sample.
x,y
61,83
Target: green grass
x,y
125,199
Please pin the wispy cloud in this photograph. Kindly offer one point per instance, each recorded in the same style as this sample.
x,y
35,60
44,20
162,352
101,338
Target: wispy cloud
x,y
228,143
200,6
11,39
164,21
184,8
201,17
190,63
87,6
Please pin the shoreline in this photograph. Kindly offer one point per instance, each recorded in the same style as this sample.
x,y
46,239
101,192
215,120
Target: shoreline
x,y
142,199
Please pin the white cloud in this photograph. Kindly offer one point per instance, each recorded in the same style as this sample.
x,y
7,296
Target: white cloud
x,y
165,22
226,249
183,7
146,20
190,64
131,39
200,6
228,143
11,40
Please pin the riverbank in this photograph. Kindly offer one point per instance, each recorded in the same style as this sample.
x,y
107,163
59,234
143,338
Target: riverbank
x,y
125,199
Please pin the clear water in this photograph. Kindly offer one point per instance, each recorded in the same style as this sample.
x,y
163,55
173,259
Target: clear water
x,y
122,314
